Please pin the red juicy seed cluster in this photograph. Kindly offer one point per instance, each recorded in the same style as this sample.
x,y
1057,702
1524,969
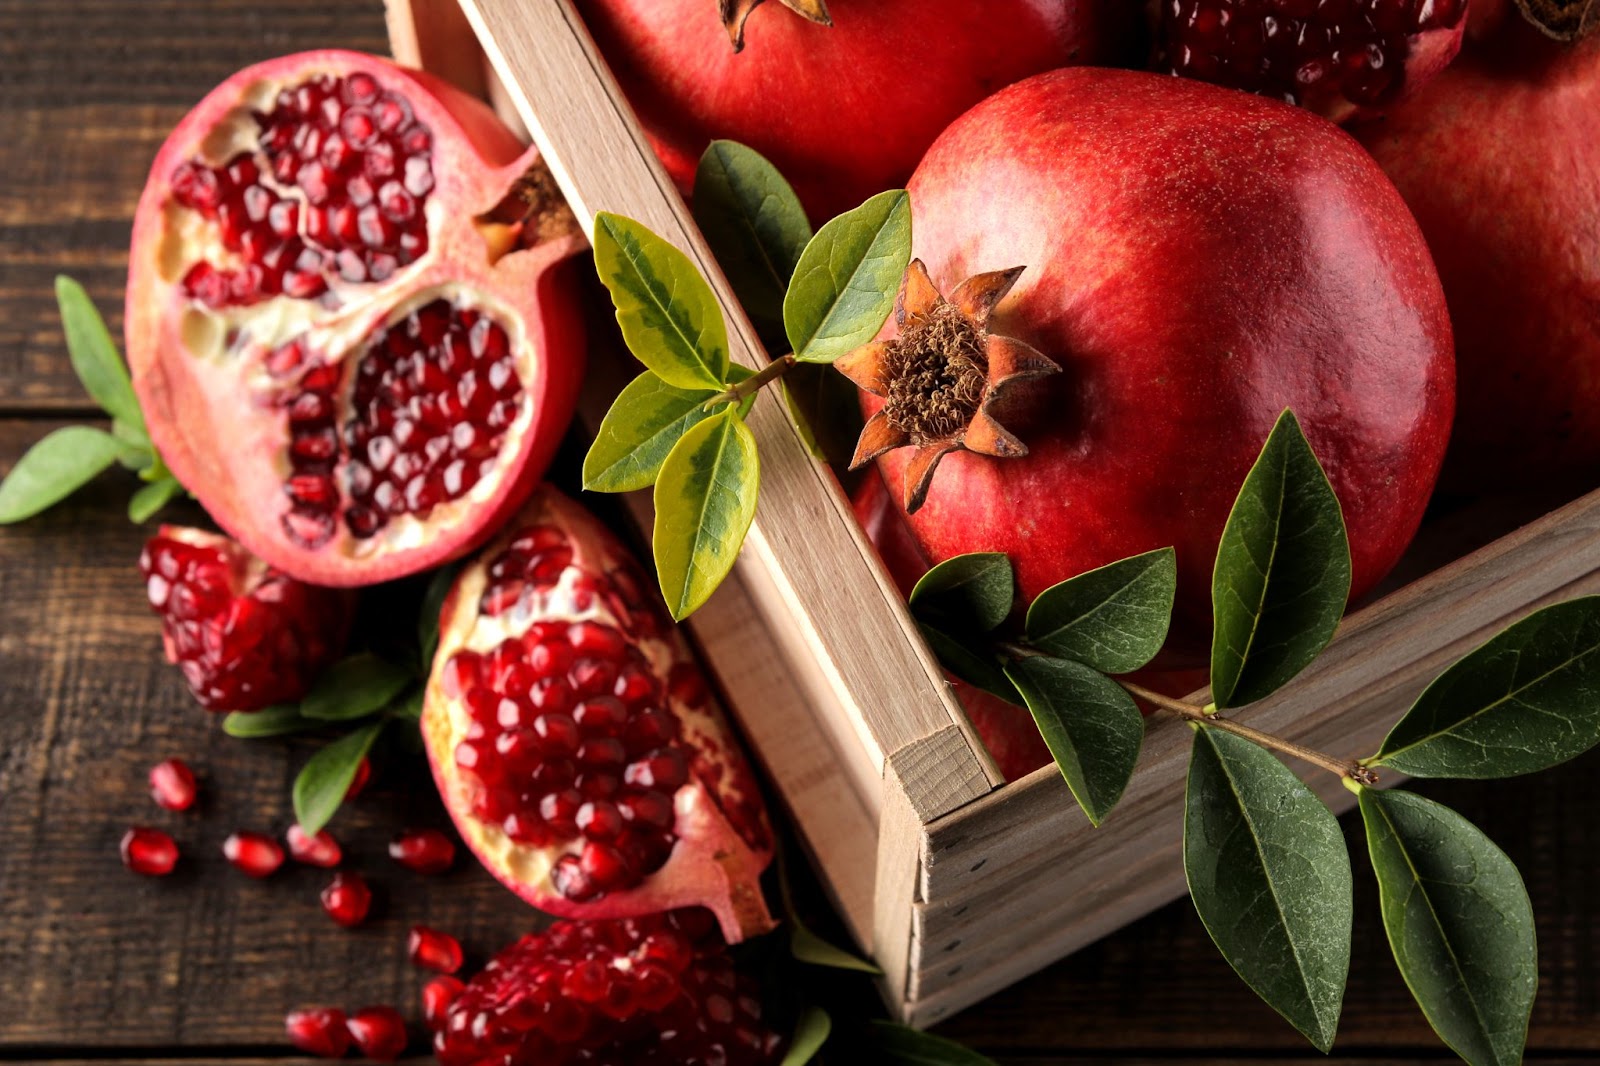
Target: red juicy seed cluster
x,y
533,561
654,990
1295,49
239,652
336,188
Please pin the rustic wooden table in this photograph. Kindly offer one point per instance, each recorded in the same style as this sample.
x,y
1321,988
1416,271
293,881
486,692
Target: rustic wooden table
x,y
96,964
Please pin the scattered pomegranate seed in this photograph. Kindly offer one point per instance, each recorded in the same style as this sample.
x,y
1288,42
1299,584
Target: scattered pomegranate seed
x,y
347,899
359,782
320,850
319,1031
437,995
380,1032
172,785
149,851
433,950
253,853
427,851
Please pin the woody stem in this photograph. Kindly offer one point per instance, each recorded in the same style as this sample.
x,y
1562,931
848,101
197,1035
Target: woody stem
x,y
754,384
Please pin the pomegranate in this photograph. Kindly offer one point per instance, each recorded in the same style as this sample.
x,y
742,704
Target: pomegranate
x,y
433,950
347,899
846,110
320,850
347,320
379,1032
575,742
426,851
1500,160
1352,57
437,995
650,991
149,851
172,785
253,854
1196,261
245,635
318,1031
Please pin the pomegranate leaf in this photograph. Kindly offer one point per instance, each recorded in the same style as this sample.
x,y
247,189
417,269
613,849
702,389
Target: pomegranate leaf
x,y
354,687
321,785
901,1045
60,464
956,653
1270,876
847,278
1459,923
1526,700
755,226
804,945
1114,618
1282,573
1090,724
810,1033
149,499
644,424
439,586
705,499
825,409
967,592
277,721
95,358
669,316
408,708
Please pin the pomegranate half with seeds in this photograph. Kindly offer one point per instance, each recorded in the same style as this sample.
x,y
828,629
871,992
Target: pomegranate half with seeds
x,y
575,741
349,321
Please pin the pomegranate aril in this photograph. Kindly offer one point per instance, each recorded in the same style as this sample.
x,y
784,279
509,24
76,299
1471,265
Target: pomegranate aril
x,y
433,950
320,850
149,851
320,1031
347,898
427,851
172,785
437,995
254,854
379,1033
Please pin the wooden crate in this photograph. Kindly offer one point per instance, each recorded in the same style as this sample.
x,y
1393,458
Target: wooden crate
x,y
956,882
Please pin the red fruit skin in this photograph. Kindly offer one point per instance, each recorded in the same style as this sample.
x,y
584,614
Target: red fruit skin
x,y
172,785
1197,260
1499,158
843,111
227,448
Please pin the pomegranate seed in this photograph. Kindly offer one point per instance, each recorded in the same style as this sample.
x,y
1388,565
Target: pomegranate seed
x,y
347,899
149,851
427,851
379,1032
172,785
437,995
359,782
319,1031
320,850
433,950
255,854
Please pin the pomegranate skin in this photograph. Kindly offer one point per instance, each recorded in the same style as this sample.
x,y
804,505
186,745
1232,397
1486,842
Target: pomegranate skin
x,y
1499,158
1197,260
843,111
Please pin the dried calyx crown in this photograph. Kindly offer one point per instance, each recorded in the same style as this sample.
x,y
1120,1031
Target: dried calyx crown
x,y
1564,20
941,376
734,13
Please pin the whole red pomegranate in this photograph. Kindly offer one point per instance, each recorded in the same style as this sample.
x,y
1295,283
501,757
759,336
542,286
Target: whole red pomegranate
x,y
846,110
346,321
1499,159
1196,261
575,742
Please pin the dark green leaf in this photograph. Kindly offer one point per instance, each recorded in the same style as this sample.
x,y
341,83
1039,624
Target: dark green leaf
x,y
670,319
810,1033
324,780
1090,723
439,586
705,499
1114,619
53,469
1459,923
754,224
826,408
967,656
845,283
645,422
1282,574
900,1045
972,591
94,355
354,687
1526,700
805,945
149,499
1270,876
277,721
408,708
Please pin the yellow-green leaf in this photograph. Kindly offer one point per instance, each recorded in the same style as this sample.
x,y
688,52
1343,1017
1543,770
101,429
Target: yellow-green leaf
x,y
705,499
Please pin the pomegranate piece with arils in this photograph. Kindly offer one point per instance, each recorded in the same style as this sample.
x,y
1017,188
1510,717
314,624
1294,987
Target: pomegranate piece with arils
x,y
172,785
245,635
149,851
575,742
1337,58
349,322
650,991
427,851
318,1031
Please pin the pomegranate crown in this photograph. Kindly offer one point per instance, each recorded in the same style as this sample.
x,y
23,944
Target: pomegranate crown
x,y
734,13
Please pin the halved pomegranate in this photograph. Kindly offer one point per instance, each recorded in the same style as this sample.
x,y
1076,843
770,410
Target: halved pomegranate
x,y
348,321
575,741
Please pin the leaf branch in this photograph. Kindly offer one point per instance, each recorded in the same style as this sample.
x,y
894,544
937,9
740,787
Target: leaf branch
x,y
737,392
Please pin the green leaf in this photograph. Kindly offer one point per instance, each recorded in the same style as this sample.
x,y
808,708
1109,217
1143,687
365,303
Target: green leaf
x,y
1526,700
669,317
955,651
972,591
276,721
754,224
439,586
1270,875
1283,572
149,499
94,355
155,468
354,687
645,422
826,409
1090,724
326,777
53,469
810,1033
900,1045
408,708
805,945
705,499
1459,923
848,276
1114,619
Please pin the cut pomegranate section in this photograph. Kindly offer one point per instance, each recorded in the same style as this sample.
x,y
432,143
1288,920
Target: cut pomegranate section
x,y
349,322
576,744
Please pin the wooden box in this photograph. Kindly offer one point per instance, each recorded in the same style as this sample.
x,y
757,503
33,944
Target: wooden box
x,y
957,882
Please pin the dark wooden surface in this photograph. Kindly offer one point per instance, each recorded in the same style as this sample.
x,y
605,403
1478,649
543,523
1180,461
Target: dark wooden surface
x,y
96,964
